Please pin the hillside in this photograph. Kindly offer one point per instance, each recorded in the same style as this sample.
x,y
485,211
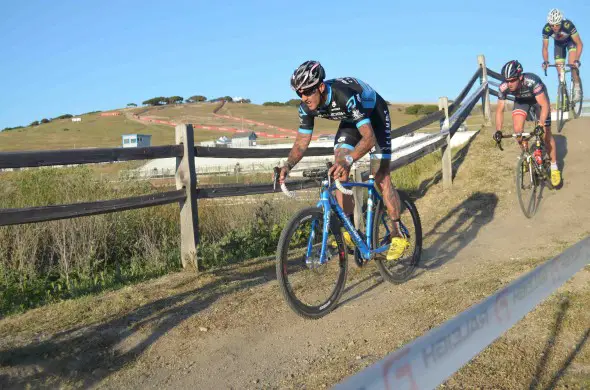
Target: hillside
x,y
96,131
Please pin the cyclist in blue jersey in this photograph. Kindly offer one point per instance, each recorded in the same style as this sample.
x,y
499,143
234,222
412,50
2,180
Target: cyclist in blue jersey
x,y
365,127
566,41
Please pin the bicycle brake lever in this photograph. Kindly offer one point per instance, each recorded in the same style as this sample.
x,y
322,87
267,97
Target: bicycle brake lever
x,y
275,178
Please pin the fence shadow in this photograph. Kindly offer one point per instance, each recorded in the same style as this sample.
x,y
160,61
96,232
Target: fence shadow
x,y
550,346
457,161
87,355
466,219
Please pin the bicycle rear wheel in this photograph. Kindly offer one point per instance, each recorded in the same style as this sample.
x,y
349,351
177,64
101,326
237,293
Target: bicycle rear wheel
x,y
400,270
577,104
527,186
561,106
311,289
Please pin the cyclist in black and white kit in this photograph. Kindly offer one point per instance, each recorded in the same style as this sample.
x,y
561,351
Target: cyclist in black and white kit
x,y
365,126
530,96
566,41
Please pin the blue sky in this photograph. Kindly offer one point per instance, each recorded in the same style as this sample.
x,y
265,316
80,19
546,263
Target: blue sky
x,y
77,56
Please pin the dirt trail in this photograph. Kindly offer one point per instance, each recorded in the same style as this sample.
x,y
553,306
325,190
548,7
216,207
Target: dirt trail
x,y
231,329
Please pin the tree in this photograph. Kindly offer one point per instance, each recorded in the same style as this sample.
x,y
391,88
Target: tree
x,y
293,102
35,123
428,109
157,101
413,109
196,98
273,104
175,100
228,99
65,116
45,120
131,105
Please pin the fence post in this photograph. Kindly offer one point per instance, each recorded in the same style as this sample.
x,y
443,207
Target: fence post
x,y
447,163
186,178
485,99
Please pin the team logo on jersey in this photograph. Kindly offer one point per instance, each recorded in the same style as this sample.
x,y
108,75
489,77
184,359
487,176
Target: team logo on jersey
x,y
356,114
547,28
333,104
358,97
567,25
350,104
301,112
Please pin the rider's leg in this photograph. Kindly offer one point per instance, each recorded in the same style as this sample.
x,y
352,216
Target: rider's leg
x,y
345,201
382,173
519,115
572,57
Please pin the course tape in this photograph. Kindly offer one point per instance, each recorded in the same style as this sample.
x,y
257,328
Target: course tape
x,y
432,358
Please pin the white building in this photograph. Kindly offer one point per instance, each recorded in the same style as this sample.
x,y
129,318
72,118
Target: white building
x,y
136,140
76,119
244,141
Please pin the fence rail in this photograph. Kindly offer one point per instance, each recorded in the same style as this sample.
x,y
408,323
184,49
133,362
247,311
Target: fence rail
x,y
185,152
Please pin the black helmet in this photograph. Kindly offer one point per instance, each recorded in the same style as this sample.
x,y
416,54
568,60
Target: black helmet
x,y
511,69
307,75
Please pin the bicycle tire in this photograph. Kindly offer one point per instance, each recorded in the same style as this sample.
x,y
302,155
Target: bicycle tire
x,y
530,210
300,308
406,204
577,109
560,107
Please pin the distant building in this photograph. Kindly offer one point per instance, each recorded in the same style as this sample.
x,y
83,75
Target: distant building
x,y
76,119
111,113
136,140
244,141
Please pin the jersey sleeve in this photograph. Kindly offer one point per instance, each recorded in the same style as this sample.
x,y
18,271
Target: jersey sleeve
x,y
502,91
547,31
306,120
570,28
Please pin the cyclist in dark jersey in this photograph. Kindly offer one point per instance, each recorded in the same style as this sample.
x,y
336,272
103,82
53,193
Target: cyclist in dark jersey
x,y
566,41
530,97
365,127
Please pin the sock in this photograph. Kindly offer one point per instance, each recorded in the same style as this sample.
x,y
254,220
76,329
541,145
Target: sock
x,y
553,166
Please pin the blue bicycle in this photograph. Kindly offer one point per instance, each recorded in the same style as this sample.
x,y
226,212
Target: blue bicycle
x,y
311,260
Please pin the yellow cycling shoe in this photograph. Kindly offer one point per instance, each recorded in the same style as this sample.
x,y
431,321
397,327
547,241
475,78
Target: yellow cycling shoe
x,y
347,240
555,177
397,248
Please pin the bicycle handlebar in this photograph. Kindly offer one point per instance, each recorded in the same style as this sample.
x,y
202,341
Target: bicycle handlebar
x,y
315,173
556,65
498,136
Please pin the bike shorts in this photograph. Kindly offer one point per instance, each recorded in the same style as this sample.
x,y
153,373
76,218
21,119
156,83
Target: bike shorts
x,y
560,48
531,110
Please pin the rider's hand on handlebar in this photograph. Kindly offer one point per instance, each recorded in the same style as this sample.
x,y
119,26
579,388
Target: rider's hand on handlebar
x,y
283,174
340,169
545,64
577,63
498,136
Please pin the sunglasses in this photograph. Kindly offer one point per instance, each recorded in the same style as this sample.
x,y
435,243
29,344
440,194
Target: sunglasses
x,y
307,92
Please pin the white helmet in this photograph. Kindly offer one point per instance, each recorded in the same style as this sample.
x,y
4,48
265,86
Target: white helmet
x,y
555,16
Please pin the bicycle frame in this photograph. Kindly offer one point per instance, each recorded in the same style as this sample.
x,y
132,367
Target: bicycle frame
x,y
328,203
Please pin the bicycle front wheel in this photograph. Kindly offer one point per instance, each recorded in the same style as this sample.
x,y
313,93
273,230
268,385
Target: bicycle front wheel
x,y
527,186
577,103
311,289
398,271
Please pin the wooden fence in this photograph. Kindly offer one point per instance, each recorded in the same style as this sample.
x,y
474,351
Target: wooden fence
x,y
449,117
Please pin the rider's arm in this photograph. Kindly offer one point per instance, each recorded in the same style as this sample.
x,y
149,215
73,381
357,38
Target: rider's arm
x,y
366,142
499,114
545,49
544,103
302,141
